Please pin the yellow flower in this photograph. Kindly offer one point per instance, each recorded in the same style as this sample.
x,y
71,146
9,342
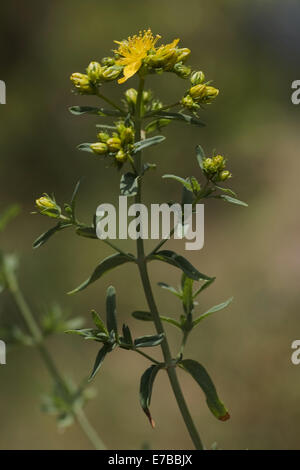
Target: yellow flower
x,y
133,51
165,54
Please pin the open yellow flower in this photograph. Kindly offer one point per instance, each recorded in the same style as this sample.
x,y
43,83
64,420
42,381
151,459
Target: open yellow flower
x,y
133,51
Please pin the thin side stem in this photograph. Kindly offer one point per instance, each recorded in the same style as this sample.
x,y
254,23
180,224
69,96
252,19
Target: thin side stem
x,y
114,105
36,333
141,261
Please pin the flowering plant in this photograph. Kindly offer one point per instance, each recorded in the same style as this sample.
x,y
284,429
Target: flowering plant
x,y
120,143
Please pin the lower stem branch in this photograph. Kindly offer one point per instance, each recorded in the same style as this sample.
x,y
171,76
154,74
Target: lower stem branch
x,y
38,338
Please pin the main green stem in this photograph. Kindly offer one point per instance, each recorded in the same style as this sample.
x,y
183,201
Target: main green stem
x,y
36,333
142,265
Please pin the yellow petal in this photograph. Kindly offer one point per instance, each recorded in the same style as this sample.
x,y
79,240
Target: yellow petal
x,y
130,70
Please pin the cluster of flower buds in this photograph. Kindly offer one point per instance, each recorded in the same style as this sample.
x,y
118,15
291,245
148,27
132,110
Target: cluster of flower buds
x,y
199,93
96,74
148,102
169,58
47,206
117,145
214,168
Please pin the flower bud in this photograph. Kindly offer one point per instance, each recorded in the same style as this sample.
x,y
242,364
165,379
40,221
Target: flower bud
x,y
108,61
103,136
197,78
219,162
224,175
99,148
197,92
131,96
147,95
121,156
188,102
183,54
156,105
114,144
94,72
211,92
182,70
208,165
48,206
127,135
82,83
111,73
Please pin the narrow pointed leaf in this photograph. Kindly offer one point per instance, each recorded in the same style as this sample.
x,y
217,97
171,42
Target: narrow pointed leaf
x,y
111,319
157,125
183,181
171,289
232,200
212,310
181,117
127,335
46,235
99,360
103,267
146,386
98,322
200,155
187,294
147,316
180,262
85,147
142,144
227,191
203,287
199,373
78,110
149,341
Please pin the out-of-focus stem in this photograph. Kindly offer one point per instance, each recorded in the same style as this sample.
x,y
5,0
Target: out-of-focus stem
x,y
38,338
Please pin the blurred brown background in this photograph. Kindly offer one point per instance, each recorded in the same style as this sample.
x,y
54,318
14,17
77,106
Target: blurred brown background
x,y
251,51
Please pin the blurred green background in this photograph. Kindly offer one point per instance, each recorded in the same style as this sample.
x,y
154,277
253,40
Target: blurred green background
x,y
251,51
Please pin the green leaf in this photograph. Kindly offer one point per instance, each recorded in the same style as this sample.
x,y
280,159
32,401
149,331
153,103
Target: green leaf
x,y
147,316
199,373
180,262
85,147
157,125
146,386
9,214
148,341
227,191
99,360
232,200
142,144
111,319
200,155
89,333
45,236
88,232
98,322
127,335
183,181
103,267
148,166
171,289
212,310
78,110
187,294
129,185
181,117
203,287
